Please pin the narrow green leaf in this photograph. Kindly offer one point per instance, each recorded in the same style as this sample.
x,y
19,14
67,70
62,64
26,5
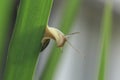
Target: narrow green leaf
x,y
6,12
69,14
25,44
106,36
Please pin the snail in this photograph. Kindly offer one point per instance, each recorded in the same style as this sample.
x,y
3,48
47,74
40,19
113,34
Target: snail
x,y
57,35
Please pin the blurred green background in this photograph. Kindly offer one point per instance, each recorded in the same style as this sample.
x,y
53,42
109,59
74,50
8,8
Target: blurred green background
x,y
94,20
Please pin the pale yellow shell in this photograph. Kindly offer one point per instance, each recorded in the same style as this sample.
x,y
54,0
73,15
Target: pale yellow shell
x,y
54,33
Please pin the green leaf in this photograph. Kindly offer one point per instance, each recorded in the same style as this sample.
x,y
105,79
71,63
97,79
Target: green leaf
x,y
106,36
25,44
6,14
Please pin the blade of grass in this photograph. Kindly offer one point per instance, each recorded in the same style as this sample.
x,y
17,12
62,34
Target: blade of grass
x,y
68,18
25,44
106,35
6,13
